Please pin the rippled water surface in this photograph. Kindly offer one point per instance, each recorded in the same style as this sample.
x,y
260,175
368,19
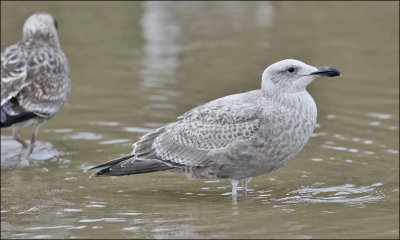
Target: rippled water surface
x,y
137,65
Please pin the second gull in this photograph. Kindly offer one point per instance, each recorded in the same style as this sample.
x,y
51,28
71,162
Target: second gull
x,y
35,79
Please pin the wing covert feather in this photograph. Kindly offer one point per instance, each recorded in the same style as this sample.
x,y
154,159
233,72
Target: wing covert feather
x,y
39,81
188,141
13,72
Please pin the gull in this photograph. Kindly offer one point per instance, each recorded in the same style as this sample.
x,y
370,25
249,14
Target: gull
x,y
35,78
237,137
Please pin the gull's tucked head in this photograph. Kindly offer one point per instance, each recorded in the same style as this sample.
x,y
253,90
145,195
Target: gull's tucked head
x,y
40,24
290,76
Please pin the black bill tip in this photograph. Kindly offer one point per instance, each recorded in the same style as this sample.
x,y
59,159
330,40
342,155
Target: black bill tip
x,y
327,72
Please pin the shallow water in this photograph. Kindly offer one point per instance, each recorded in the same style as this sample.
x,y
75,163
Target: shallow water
x,y
137,65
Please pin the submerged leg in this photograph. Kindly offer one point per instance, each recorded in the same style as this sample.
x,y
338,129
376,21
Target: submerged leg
x,y
33,139
17,138
245,181
234,183
234,190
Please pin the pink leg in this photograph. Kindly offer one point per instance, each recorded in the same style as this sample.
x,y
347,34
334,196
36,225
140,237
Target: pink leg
x,y
33,139
18,138
245,182
234,190
234,186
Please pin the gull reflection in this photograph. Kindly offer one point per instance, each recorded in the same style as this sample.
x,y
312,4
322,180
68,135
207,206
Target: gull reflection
x,y
161,32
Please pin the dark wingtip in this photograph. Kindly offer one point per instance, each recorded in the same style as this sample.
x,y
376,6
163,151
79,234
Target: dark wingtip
x,y
9,120
107,165
97,174
121,167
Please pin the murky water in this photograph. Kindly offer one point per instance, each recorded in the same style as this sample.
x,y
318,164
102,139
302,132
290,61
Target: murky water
x,y
136,66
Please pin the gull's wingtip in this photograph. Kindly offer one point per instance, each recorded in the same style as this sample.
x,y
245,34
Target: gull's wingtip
x,y
95,175
106,165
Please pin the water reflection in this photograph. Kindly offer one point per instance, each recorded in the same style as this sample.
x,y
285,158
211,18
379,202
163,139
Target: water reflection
x,y
138,129
102,123
115,141
379,115
167,28
83,136
348,194
13,155
161,32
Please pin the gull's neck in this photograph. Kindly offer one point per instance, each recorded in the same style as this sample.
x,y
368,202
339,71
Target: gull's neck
x,y
49,37
291,100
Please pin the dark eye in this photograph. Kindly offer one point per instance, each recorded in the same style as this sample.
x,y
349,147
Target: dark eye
x,y
291,69
55,24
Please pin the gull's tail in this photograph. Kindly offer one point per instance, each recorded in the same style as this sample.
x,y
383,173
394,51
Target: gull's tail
x,y
128,165
8,120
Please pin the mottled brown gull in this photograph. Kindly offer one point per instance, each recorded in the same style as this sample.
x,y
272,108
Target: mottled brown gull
x,y
238,136
35,80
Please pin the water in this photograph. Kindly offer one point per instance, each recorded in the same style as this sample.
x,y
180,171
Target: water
x,y
137,65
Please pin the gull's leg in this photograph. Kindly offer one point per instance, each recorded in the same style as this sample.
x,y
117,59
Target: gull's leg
x,y
234,183
33,139
245,181
17,138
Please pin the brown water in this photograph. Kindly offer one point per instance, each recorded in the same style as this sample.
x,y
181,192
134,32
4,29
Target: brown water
x,y
136,66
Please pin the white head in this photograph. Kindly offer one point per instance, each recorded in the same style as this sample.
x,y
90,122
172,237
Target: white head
x,y
291,76
40,24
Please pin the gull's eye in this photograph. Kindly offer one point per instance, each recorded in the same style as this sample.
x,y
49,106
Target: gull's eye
x,y
291,70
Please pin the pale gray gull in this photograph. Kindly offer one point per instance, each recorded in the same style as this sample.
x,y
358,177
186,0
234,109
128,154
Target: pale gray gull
x,y
35,78
238,137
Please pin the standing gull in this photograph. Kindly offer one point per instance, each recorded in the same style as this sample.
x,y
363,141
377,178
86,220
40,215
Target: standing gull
x,y
35,81
238,136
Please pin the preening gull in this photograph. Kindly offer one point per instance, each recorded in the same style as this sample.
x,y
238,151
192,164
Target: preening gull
x,y
35,79
238,137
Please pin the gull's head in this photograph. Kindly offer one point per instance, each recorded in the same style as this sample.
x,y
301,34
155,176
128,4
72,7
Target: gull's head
x,y
290,76
40,24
